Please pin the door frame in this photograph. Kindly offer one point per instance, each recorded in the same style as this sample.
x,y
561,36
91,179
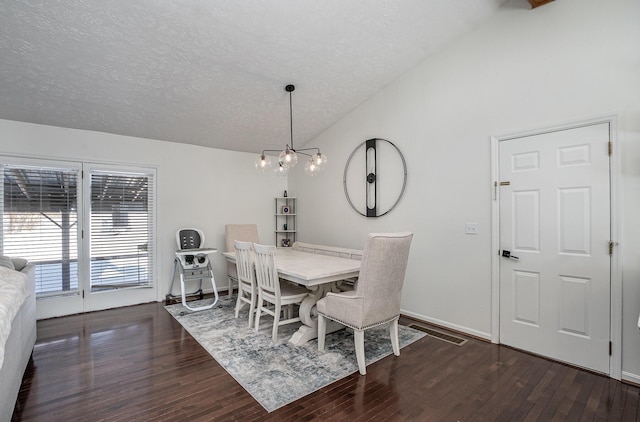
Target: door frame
x,y
615,360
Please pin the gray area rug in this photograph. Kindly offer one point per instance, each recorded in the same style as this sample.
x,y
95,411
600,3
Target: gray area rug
x,y
277,374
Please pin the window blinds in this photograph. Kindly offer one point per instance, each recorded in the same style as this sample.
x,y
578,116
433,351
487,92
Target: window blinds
x,y
40,223
122,230
41,212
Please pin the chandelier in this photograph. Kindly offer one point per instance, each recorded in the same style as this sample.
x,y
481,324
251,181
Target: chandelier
x,y
288,157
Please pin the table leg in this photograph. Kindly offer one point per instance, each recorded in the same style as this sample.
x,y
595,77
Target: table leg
x,y
309,316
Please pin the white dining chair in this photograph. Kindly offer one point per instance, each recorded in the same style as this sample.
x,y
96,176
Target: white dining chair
x,y
273,292
376,298
247,288
243,233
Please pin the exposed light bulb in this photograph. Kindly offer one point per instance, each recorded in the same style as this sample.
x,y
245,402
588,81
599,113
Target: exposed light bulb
x,y
288,157
320,161
310,167
262,163
282,169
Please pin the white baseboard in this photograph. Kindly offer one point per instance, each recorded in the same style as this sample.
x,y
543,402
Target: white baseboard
x,y
628,376
455,327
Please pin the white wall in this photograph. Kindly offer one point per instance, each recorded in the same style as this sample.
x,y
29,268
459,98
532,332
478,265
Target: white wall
x,y
523,69
197,187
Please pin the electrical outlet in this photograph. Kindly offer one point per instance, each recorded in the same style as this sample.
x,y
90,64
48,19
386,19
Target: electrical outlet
x,y
471,228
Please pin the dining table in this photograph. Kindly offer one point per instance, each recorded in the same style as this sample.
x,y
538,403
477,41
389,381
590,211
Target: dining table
x,y
318,273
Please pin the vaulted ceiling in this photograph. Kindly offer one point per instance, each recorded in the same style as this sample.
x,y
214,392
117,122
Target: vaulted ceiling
x,y
213,73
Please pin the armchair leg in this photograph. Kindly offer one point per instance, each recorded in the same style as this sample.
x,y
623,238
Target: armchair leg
x,y
358,336
393,332
322,330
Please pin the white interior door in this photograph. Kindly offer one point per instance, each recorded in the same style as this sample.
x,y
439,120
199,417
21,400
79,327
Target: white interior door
x,y
555,218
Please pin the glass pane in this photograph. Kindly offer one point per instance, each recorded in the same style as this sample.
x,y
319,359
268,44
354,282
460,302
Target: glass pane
x,y
40,223
121,230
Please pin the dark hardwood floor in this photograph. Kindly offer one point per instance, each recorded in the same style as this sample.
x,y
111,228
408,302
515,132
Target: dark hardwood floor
x,y
139,364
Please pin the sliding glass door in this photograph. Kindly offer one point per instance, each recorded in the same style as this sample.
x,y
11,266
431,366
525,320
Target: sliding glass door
x,y
91,238
121,237
40,222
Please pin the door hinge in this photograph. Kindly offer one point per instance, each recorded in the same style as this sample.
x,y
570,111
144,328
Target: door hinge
x,y
83,294
610,148
610,248
610,348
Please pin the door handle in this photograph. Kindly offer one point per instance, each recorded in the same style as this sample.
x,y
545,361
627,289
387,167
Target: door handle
x,y
507,254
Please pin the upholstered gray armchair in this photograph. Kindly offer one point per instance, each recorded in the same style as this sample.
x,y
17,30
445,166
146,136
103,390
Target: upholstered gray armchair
x,y
376,300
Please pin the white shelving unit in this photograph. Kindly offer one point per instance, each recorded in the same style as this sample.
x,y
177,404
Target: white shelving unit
x,y
285,213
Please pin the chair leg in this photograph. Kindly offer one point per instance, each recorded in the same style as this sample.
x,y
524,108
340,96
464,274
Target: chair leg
x,y
258,308
358,336
322,331
239,303
252,307
393,332
276,321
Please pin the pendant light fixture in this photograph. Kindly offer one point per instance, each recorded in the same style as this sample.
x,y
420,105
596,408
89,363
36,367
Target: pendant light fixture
x,y
288,157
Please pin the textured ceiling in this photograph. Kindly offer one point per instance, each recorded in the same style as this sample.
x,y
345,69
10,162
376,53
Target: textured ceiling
x,y
212,73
